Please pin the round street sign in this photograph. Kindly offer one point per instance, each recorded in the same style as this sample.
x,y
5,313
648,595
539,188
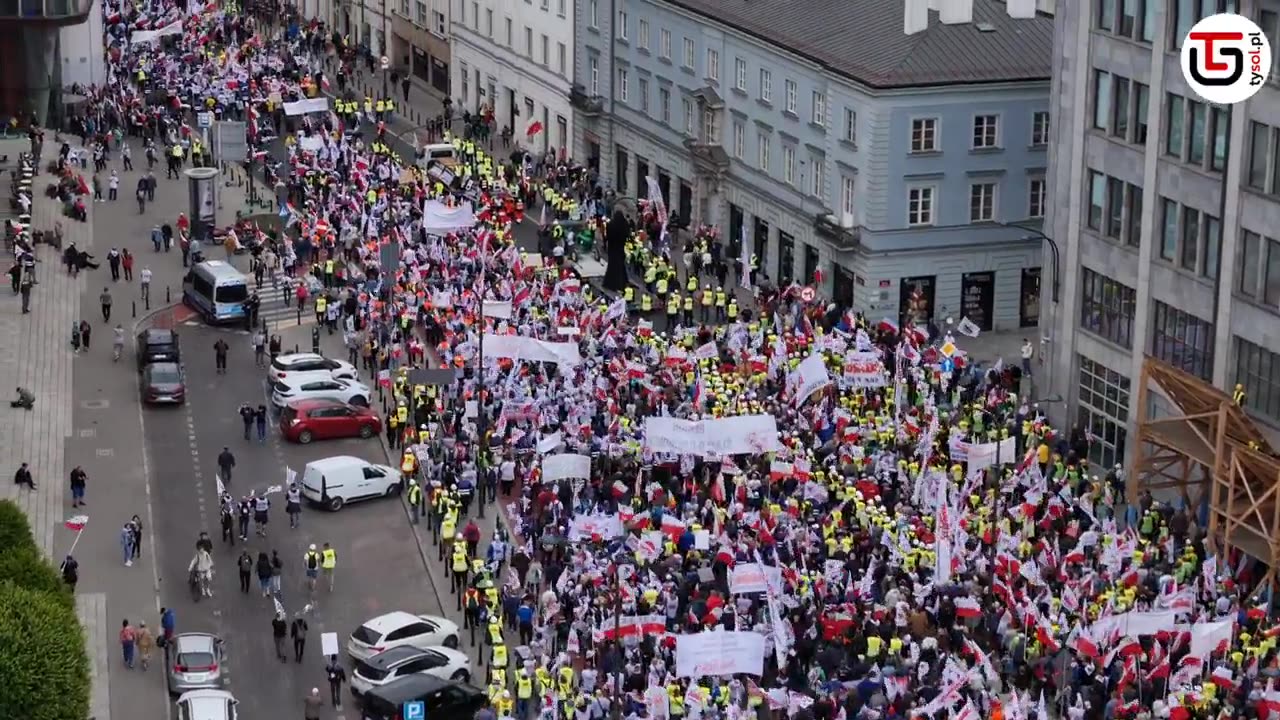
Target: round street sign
x,y
385,61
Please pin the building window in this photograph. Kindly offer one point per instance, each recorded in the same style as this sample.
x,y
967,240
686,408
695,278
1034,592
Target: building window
x,y
982,202
1136,18
1271,274
920,206
561,57
404,9
762,151
1120,107
1175,114
1035,203
528,42
1040,128
1258,370
686,108
924,135
789,90
986,131
850,126
664,104
664,43
466,84
1190,238
440,22
1182,340
1115,208
1101,99
1141,96
1104,410
710,128
1212,243
819,109
1250,265
788,165
546,5
1106,15
1260,261
420,13
624,85
766,85
642,89
1218,154
1107,308
1133,214
1169,230
739,139
688,53
593,13
546,51
740,74
818,178
1196,131
713,65
488,22
642,34
1097,199
1259,153
848,186
621,29
509,36
560,8
593,65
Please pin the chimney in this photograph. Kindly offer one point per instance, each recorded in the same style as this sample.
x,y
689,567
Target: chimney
x,y
915,17
1021,9
957,12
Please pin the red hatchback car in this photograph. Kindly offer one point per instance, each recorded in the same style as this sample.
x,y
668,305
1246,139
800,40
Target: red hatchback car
x,y
305,420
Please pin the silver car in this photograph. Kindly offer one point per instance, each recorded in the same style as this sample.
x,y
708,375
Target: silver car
x,y
194,662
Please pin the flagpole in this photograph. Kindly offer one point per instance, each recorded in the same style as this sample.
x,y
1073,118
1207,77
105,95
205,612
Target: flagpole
x,y
76,541
480,404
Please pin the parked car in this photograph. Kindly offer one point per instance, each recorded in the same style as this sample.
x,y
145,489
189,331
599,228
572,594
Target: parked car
x,y
439,698
336,481
207,705
395,629
397,662
310,364
302,421
306,387
158,345
194,662
164,383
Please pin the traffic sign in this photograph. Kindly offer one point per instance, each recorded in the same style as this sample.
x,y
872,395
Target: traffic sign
x,y
948,348
205,119
386,63
947,365
416,710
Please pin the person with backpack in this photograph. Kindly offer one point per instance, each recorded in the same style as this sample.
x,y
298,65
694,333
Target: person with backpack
x,y
311,561
245,565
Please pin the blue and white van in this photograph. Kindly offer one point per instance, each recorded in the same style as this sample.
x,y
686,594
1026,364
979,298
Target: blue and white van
x,y
216,290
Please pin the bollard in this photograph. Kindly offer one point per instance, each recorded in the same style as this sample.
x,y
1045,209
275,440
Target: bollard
x,y
295,348
135,308
167,297
299,313
146,299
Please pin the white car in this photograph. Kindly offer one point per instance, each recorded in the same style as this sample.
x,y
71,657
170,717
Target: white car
x,y
333,482
401,628
293,365
207,705
303,387
397,662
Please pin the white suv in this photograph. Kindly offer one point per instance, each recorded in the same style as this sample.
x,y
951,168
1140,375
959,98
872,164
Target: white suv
x,y
291,365
308,387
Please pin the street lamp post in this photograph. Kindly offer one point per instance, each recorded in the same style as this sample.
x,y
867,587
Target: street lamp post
x,y
383,48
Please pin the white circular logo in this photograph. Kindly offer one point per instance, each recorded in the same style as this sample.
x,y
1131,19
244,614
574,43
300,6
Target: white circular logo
x,y
1226,58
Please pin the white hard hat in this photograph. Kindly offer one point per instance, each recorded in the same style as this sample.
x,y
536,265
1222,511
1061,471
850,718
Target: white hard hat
x,y
313,546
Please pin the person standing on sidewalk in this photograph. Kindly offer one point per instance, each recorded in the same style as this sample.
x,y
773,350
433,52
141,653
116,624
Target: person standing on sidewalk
x,y
298,631
78,479
337,675
127,640
311,705
279,628
105,300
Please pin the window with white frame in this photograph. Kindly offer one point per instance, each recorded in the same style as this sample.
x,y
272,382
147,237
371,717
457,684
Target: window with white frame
x,y
1040,128
509,26
924,135
848,197
982,202
788,165
488,22
621,30
986,131
710,128
819,108
593,69
404,9
762,155
642,34
686,109
713,64
664,43
593,13
466,83
739,139
546,51
562,54
624,84
664,104
560,7
1036,195
439,21
766,85
420,13
475,16
818,176
790,91
688,58
740,74
850,126
642,88
920,205
528,42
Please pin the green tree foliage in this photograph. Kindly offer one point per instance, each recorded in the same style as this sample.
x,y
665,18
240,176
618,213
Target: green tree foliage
x,y
15,531
27,568
44,666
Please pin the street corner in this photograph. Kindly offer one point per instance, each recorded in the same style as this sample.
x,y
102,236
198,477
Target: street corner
x,y
167,317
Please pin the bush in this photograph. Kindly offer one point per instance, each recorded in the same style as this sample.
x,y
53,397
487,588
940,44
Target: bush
x,y
27,568
44,664
15,530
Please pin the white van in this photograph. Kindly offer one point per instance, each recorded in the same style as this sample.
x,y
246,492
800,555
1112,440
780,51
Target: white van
x,y
443,153
336,481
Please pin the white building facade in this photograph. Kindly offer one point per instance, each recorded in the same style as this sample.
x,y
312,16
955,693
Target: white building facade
x,y
515,57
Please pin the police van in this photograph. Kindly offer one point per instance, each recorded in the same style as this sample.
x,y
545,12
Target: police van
x,y
216,290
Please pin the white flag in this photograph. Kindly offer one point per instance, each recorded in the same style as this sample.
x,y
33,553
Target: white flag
x,y
290,476
967,328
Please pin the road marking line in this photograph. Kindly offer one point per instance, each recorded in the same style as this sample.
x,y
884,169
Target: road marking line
x,y
106,452
89,433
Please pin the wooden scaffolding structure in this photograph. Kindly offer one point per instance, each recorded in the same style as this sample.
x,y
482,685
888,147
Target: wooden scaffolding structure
x,y
1208,445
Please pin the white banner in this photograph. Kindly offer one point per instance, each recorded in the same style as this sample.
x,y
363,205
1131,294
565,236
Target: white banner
x,y
713,654
146,36
812,376
302,107
567,465
583,527
500,309
549,443
438,218
983,455
754,578
708,351
743,434
529,349
864,370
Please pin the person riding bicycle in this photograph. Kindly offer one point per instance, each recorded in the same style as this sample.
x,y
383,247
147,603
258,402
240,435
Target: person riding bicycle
x,y
117,342
202,565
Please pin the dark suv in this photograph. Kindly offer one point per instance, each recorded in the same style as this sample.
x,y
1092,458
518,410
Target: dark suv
x,y
440,698
158,345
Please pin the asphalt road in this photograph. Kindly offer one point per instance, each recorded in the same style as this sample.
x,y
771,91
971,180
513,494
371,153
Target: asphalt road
x,y
379,567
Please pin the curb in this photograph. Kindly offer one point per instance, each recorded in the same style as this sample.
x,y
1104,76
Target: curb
x,y
151,314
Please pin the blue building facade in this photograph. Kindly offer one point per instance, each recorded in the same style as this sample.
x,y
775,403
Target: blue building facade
x,y
887,187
